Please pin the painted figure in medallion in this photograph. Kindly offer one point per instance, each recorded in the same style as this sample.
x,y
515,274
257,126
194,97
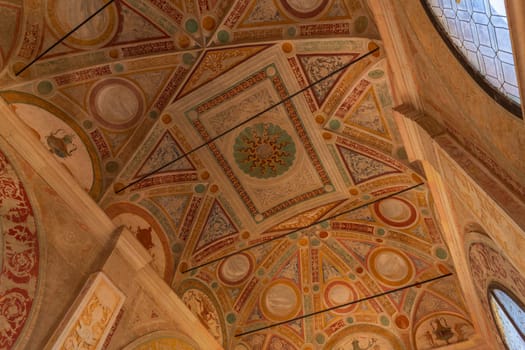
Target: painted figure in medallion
x,y
61,144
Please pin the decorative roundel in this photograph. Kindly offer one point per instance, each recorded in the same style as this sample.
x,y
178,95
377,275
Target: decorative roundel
x,y
338,293
280,300
304,8
64,15
396,212
402,322
236,269
390,266
116,103
264,150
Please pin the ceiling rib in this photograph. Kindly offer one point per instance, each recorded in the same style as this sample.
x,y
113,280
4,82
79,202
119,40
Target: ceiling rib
x,y
302,228
415,284
258,114
64,37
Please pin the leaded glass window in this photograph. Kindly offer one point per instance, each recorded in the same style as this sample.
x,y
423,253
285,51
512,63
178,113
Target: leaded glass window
x,y
510,318
478,30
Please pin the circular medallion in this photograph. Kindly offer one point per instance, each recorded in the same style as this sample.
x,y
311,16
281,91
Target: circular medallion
x,y
280,300
339,293
64,15
402,322
235,269
264,151
390,267
304,8
396,212
116,103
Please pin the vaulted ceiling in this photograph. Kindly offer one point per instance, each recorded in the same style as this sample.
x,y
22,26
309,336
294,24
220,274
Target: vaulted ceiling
x,y
316,192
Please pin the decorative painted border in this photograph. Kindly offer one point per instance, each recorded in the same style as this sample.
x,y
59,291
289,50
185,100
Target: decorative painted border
x,y
299,128
20,260
90,319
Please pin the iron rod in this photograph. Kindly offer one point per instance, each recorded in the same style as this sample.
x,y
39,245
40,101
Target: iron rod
x,y
346,304
301,228
64,37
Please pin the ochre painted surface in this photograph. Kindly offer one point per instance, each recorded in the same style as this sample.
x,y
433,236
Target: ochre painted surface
x,y
147,81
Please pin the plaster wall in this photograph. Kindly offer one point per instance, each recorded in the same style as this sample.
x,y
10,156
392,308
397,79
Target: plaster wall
x,y
425,66
464,207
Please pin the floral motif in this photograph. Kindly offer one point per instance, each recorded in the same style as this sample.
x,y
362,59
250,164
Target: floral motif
x,y
14,307
264,150
19,255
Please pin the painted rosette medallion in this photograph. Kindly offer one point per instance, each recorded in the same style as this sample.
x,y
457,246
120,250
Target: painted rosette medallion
x,y
264,151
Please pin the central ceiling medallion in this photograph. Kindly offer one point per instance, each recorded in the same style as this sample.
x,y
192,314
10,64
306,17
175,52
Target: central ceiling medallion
x,y
264,151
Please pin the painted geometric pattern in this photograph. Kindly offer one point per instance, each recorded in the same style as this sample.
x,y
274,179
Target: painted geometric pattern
x,y
363,168
218,225
166,151
263,12
261,201
345,260
175,206
116,140
317,67
367,114
217,62
136,27
304,219
264,20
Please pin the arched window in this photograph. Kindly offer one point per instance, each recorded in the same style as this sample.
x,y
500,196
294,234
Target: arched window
x,y
509,315
477,31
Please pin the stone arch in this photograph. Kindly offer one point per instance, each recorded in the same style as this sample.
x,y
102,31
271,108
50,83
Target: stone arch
x,y
163,340
490,267
19,256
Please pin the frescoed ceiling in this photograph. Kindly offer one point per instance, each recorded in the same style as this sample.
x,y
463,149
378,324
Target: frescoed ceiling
x,y
316,192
